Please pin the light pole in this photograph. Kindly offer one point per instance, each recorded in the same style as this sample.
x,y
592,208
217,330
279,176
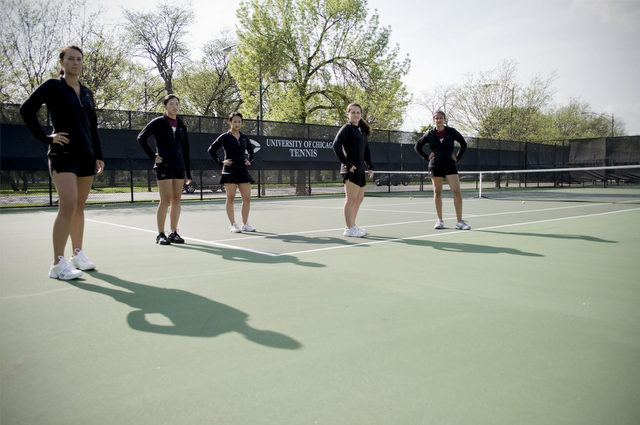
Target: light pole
x,y
226,51
602,115
512,98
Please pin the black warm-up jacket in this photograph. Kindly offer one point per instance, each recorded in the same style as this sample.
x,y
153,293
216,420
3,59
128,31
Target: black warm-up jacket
x,y
442,150
351,146
72,114
172,148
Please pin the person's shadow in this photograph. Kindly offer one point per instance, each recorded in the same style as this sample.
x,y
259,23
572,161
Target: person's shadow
x,y
466,247
190,314
552,236
246,256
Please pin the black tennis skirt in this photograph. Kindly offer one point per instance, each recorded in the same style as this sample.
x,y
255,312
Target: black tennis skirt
x,y
442,170
236,178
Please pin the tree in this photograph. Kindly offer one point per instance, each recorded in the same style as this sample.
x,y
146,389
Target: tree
x,y
207,86
576,121
31,38
310,58
494,105
159,37
440,98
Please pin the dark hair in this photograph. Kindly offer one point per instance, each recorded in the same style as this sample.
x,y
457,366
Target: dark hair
x,y
168,97
441,112
64,51
362,123
234,114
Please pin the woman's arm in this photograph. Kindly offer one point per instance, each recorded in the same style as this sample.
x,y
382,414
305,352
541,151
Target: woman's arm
x,y
29,111
419,144
214,147
144,135
338,142
184,144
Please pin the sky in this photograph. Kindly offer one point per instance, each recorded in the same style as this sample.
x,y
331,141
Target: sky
x,y
593,45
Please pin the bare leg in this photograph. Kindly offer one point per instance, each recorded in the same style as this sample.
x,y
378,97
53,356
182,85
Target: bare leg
x,y
176,196
77,223
165,187
351,193
245,193
454,186
67,188
359,199
230,189
437,195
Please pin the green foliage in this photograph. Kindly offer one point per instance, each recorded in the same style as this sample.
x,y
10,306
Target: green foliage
x,y
424,129
31,38
495,105
313,58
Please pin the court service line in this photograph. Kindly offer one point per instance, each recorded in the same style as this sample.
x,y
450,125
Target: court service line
x,y
270,254
409,222
456,232
37,294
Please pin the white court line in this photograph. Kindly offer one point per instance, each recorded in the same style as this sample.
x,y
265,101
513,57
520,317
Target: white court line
x,y
271,254
459,232
401,223
37,294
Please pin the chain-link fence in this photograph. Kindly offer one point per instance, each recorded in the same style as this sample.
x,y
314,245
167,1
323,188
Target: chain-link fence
x,y
290,158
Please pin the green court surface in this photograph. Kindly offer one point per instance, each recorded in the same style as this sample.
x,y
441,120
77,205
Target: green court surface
x,y
533,317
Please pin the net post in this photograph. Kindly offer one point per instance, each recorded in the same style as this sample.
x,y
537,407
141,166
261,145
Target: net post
x,y
480,192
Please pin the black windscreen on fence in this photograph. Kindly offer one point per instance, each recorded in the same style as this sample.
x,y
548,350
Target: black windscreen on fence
x,y
289,152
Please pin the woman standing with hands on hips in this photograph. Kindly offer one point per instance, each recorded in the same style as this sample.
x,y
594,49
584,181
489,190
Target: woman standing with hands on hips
x,y
235,174
171,163
75,156
351,146
442,164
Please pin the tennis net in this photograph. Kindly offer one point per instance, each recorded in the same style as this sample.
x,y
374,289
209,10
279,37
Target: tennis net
x,y
619,183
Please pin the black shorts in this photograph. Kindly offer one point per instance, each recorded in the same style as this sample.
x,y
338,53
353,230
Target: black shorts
x,y
357,178
443,170
82,167
236,178
168,173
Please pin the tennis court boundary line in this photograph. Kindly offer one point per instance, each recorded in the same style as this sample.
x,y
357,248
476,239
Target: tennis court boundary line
x,y
366,242
457,232
401,223
222,245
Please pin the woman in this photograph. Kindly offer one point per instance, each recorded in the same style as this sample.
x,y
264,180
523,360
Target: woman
x,y
171,164
75,156
352,149
235,174
442,164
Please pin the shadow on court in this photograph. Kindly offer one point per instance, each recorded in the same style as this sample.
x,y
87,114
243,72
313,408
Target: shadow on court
x,y
467,247
551,235
190,314
312,240
246,256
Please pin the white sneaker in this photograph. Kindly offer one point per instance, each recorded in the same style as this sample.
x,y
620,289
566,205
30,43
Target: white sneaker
x,y
246,227
463,226
439,224
364,231
80,261
353,232
64,270
234,228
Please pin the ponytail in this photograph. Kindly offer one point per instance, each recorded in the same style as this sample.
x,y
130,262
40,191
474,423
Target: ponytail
x,y
366,128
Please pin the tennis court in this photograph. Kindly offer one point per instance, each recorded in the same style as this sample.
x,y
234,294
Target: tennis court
x,y
531,318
